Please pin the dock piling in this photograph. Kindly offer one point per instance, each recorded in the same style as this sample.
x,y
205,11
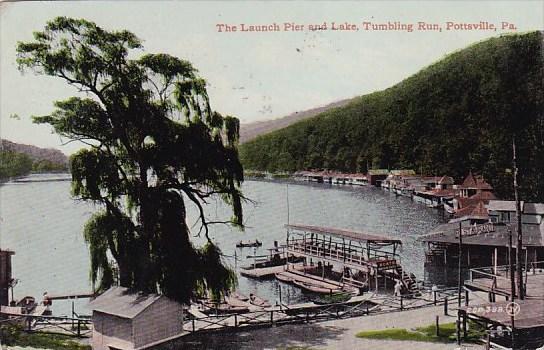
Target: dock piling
x,y
458,330
446,306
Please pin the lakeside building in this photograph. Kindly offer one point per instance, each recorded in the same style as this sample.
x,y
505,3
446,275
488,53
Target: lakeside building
x,y
125,320
375,177
6,279
435,191
485,236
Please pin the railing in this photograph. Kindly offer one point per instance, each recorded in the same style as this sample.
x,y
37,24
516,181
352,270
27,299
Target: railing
x,y
285,314
350,255
68,325
503,271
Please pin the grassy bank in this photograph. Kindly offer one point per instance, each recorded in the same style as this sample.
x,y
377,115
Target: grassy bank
x,y
446,334
15,336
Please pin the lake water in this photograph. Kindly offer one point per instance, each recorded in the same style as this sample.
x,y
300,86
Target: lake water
x,y
43,224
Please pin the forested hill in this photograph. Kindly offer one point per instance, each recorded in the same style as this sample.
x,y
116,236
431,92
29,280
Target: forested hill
x,y
36,153
19,159
458,114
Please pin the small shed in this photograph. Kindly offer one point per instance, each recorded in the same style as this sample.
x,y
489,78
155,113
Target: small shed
x,y
127,320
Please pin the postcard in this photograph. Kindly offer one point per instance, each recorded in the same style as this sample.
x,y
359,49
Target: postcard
x,y
271,175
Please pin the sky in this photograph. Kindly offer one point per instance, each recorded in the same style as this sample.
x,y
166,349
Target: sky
x,y
257,75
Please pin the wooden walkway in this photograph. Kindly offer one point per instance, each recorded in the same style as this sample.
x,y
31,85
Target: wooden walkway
x,y
265,272
367,304
501,285
311,279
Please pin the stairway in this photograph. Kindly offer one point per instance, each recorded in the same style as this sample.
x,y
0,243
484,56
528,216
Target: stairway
x,y
408,280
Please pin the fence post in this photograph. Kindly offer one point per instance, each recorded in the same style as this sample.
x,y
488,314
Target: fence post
x,y
466,298
271,318
193,322
78,328
235,321
458,331
437,326
465,327
446,306
434,297
307,317
401,303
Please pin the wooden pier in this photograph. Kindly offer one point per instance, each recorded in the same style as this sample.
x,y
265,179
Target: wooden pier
x,y
265,272
363,259
496,281
363,305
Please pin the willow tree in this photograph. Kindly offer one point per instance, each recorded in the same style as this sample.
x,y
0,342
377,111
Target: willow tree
x,y
154,146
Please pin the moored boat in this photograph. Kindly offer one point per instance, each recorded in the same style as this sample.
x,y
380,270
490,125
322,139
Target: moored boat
x,y
283,278
258,301
315,288
243,244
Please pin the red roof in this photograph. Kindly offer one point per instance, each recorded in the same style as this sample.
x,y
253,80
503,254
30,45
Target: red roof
x,y
484,196
476,211
476,181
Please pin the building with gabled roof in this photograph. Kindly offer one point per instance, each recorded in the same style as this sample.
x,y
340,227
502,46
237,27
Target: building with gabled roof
x,y
477,212
128,320
473,184
376,176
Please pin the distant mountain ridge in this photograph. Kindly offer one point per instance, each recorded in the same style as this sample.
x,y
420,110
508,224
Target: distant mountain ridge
x,y
35,153
457,115
250,131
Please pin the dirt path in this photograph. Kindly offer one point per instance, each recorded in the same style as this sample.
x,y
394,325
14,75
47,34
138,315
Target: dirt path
x,y
337,334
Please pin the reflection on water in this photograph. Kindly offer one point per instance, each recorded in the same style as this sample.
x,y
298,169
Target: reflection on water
x,y
43,225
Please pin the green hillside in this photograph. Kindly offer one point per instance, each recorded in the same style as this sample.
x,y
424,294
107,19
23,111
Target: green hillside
x,y
456,115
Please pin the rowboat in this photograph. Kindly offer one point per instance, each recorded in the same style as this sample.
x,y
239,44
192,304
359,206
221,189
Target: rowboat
x,y
315,288
223,308
283,278
258,301
243,244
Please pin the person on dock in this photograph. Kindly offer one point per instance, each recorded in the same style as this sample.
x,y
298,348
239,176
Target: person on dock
x,y
46,302
398,289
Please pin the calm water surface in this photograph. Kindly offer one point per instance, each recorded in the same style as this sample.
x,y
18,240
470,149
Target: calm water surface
x,y
43,224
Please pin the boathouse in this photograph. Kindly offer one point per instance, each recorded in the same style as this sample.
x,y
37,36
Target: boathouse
x,y
376,176
434,191
486,238
126,320
362,259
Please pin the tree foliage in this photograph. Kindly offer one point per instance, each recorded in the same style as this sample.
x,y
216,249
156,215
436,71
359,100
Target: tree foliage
x,y
13,164
154,146
456,115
